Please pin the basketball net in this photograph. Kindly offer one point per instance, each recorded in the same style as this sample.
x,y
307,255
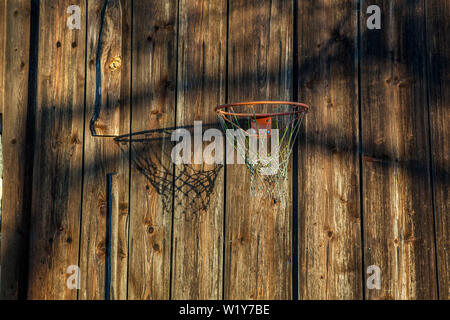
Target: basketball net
x,y
265,142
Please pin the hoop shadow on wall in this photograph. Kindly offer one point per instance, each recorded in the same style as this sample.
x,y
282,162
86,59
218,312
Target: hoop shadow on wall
x,y
189,185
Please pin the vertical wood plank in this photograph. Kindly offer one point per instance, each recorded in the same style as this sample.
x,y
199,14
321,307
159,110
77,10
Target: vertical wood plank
x,y
438,24
198,227
153,108
397,199
14,224
121,183
105,118
2,53
2,100
258,249
104,263
330,256
57,175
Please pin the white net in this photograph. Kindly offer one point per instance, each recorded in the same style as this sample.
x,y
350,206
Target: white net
x,y
264,141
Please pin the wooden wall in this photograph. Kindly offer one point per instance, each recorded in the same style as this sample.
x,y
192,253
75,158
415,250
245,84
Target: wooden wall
x,y
14,70
88,179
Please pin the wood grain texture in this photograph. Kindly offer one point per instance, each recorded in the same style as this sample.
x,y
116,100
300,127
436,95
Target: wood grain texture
x,y
397,199
103,260
153,108
14,224
58,147
330,254
438,24
2,52
144,232
105,118
198,225
258,245
121,183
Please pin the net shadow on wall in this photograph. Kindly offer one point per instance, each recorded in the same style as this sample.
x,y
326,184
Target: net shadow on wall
x,y
189,185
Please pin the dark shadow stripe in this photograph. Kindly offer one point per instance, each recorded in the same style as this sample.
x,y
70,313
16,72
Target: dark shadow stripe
x,y
108,236
295,83
174,166
360,147
98,70
224,221
430,144
130,101
84,143
30,129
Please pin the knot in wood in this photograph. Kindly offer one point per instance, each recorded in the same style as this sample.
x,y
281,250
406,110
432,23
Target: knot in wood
x,y
115,64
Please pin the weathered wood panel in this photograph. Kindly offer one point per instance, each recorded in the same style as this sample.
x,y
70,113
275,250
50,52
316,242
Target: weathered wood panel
x,y
180,77
153,108
2,100
14,224
397,199
258,246
103,259
438,24
106,24
199,202
330,253
121,184
2,52
57,176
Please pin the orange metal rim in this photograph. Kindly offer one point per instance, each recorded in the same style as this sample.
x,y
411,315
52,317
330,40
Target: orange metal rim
x,y
303,108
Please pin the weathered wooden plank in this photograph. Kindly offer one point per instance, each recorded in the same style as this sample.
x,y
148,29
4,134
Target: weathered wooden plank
x,y
121,220
105,117
2,98
438,24
397,199
199,202
2,52
153,108
258,246
330,254
14,224
103,260
58,147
